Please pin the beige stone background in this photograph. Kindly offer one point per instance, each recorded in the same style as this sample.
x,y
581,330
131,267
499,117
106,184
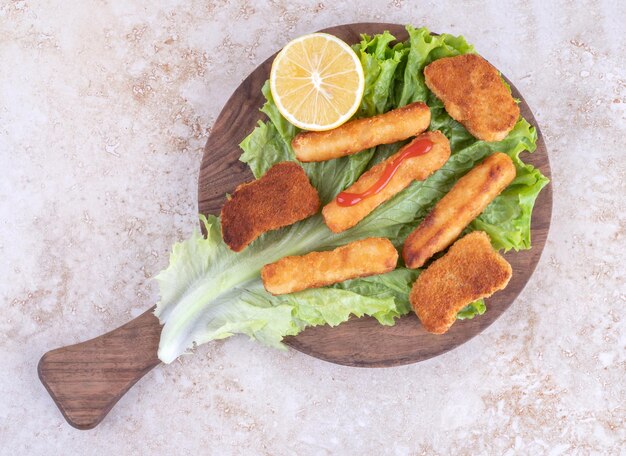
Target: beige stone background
x,y
104,110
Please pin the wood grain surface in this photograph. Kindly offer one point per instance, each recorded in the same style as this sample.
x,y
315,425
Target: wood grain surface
x,y
87,379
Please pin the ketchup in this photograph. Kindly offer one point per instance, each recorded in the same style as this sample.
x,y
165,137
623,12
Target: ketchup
x,y
419,147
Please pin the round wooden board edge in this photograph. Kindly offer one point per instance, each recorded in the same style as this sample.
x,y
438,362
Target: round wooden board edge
x,y
544,201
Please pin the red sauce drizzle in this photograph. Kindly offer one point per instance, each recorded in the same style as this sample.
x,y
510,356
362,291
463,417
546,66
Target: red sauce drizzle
x,y
419,147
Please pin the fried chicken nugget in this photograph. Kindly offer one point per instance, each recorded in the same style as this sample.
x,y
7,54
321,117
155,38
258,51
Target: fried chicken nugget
x,y
281,197
470,270
316,269
340,218
463,203
361,134
474,94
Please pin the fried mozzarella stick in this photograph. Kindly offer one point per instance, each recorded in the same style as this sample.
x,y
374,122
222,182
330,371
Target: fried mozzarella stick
x,y
470,270
361,134
462,204
340,218
316,269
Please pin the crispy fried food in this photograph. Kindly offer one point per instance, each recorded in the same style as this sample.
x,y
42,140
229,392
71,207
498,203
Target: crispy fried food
x,y
316,269
281,197
361,134
474,94
463,203
470,270
340,218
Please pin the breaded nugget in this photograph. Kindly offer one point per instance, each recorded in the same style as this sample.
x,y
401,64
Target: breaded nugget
x,y
281,197
463,203
317,269
361,134
474,94
470,270
340,218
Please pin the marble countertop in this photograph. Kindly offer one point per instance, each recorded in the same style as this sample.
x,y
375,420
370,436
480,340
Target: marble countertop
x,y
104,110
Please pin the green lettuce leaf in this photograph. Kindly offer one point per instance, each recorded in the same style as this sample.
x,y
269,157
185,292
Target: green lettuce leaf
x,y
471,310
209,292
380,63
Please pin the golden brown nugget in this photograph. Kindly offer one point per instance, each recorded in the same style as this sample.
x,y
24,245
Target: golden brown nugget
x,y
281,197
361,134
463,203
340,218
316,269
470,270
474,94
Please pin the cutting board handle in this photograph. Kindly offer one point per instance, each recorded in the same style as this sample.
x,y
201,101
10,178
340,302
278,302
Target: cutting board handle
x,y
87,379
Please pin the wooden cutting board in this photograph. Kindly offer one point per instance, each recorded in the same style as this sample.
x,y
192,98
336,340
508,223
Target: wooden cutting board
x,y
85,380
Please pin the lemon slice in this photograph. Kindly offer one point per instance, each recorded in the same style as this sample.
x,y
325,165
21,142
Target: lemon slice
x,y
317,82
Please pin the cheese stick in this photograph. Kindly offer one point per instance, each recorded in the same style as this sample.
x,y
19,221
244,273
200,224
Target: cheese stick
x,y
317,269
463,203
340,218
361,134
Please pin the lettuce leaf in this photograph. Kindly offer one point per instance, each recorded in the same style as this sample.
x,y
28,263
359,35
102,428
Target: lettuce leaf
x,y
209,292
471,310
